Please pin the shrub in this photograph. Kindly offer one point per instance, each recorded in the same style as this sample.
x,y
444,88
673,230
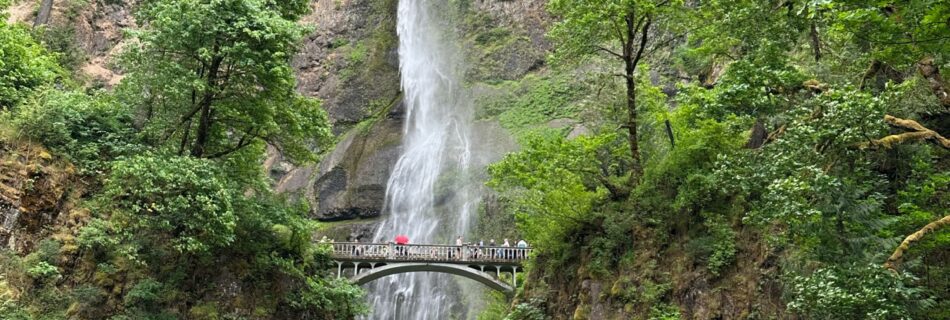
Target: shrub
x,y
42,270
179,202
24,65
88,130
531,310
854,292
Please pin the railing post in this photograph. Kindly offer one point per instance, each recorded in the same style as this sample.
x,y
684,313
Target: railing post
x,y
392,250
464,254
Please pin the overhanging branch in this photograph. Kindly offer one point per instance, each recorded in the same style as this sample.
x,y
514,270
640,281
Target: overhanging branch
x,y
893,262
917,132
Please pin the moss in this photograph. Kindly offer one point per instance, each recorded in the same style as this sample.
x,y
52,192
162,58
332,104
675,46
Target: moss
x,y
582,312
527,105
381,107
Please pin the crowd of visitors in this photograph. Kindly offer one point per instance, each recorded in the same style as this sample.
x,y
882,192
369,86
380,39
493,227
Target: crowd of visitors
x,y
477,250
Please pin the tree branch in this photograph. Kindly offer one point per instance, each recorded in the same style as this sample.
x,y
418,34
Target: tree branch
x,y
643,42
893,262
245,140
611,52
918,133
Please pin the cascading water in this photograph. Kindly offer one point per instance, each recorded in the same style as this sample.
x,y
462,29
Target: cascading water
x,y
427,196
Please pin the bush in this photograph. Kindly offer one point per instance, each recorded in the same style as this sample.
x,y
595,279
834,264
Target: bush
x,y
329,299
854,292
88,130
43,270
158,201
531,310
24,65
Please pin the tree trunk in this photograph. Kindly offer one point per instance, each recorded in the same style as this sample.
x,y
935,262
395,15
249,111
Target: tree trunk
x,y
204,131
931,72
632,124
207,113
758,135
42,18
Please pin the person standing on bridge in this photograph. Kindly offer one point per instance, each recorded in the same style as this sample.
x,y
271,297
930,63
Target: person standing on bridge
x,y
522,248
492,252
506,253
401,241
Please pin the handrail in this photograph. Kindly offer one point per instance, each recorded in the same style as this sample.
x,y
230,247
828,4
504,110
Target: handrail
x,y
429,252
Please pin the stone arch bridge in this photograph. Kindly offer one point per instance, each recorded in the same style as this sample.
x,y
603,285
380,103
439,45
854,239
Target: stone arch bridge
x,y
365,262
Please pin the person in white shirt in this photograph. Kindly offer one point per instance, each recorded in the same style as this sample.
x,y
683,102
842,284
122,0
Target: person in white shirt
x,y
507,252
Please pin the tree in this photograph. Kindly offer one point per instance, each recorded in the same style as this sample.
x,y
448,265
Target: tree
x,y
213,77
624,30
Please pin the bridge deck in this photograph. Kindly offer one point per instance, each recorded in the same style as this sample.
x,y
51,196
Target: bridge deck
x,y
465,254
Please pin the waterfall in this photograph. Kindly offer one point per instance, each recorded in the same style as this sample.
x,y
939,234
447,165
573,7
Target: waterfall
x,y
429,196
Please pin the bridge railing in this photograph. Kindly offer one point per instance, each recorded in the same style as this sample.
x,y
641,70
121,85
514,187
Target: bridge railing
x,y
428,252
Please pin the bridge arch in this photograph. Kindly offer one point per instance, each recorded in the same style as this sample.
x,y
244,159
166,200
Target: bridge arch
x,y
459,270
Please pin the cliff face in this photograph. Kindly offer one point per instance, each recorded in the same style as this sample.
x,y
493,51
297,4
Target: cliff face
x,y
36,193
351,63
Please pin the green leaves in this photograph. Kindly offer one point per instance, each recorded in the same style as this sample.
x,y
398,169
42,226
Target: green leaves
x,y
176,202
89,130
24,65
855,292
554,183
214,78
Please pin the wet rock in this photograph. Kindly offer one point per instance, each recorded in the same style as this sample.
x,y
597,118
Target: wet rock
x,y
350,183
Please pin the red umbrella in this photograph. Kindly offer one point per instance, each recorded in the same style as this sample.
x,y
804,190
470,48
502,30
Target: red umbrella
x,y
402,239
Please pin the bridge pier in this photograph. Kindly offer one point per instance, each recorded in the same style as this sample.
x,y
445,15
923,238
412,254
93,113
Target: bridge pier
x,y
514,276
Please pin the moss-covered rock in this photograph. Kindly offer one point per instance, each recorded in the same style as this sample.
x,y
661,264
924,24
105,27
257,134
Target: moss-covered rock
x,y
351,59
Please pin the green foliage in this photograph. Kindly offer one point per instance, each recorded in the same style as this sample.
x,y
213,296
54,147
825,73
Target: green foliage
x,y
530,310
43,270
496,308
169,202
901,39
585,25
213,77
855,292
324,299
798,182
62,40
554,184
528,105
25,65
665,312
145,300
723,245
89,130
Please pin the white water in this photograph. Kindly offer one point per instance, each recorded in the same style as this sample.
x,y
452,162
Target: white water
x,y
427,196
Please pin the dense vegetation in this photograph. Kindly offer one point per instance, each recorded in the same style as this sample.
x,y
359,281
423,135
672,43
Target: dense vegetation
x,y
171,215
725,159
795,143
